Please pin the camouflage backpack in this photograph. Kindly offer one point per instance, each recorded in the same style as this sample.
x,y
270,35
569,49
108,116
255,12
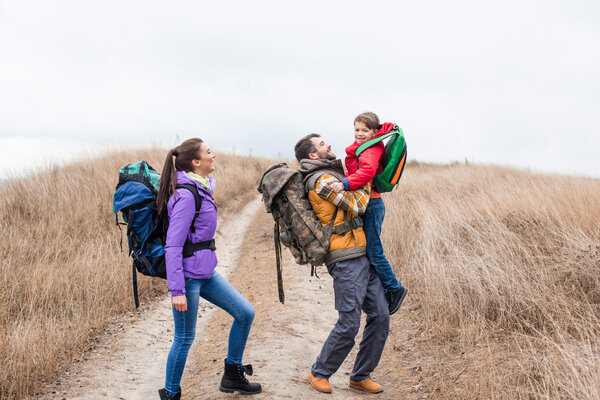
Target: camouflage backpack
x,y
296,225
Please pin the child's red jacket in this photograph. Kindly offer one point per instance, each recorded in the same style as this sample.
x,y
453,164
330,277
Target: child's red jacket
x,y
369,164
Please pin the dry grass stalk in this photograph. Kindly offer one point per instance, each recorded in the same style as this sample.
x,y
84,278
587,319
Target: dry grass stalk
x,y
493,255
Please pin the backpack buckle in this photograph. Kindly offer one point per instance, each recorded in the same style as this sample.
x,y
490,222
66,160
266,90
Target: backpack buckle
x,y
347,226
356,222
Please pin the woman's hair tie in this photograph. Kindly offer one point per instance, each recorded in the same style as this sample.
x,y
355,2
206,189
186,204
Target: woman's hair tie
x,y
175,152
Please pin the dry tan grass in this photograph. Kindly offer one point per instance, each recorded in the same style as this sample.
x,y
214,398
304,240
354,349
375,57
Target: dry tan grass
x,y
62,273
494,255
502,267
502,264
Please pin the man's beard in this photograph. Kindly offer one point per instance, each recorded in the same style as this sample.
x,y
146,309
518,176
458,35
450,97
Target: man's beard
x,y
327,156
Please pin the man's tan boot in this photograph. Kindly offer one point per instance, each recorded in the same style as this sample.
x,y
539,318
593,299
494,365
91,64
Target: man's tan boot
x,y
320,384
366,385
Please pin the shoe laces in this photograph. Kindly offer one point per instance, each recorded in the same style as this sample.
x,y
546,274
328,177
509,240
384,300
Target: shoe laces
x,y
244,369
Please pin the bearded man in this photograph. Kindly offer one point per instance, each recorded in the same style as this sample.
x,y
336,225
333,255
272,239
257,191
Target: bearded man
x,y
356,284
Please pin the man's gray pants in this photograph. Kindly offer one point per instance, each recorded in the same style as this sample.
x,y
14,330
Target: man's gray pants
x,y
357,286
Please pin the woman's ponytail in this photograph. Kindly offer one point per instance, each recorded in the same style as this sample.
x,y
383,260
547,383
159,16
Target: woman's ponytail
x,y
168,182
178,159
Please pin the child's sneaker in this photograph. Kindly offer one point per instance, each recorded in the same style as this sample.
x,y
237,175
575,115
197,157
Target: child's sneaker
x,y
394,299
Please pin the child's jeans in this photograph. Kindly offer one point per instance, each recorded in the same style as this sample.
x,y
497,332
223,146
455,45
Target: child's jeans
x,y
221,293
373,219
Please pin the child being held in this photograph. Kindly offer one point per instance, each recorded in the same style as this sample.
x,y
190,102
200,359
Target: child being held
x,y
360,172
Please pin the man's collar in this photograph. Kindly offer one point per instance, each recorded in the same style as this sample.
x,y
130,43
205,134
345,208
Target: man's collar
x,y
308,165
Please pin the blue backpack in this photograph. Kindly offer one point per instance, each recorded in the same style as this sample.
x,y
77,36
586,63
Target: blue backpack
x,y
135,197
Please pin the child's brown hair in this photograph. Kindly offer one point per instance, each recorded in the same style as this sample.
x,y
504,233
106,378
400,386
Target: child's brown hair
x,y
370,119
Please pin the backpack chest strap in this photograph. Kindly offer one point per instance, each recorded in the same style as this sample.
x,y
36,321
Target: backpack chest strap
x,y
347,226
190,248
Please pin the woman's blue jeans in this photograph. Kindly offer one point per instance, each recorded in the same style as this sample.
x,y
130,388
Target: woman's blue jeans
x,y
372,222
221,293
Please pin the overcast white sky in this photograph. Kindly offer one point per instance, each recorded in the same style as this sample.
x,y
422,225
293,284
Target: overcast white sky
x,y
502,82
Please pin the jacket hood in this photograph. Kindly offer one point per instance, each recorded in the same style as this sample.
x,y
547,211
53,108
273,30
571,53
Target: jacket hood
x,y
386,127
308,166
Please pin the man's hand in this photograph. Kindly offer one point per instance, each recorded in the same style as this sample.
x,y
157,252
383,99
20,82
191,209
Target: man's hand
x,y
180,302
337,187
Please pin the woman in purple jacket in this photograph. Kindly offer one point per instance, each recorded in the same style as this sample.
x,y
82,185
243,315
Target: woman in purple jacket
x,y
190,277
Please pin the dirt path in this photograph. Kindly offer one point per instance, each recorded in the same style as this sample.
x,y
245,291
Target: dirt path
x,y
284,341
285,338
130,362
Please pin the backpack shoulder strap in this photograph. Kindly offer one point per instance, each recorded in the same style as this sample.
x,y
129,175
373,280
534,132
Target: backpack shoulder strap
x,y
197,197
310,180
373,142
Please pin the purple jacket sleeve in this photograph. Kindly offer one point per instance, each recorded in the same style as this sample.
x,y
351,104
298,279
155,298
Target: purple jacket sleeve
x,y
181,215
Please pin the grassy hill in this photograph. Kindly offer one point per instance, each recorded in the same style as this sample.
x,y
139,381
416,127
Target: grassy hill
x,y
63,273
505,266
